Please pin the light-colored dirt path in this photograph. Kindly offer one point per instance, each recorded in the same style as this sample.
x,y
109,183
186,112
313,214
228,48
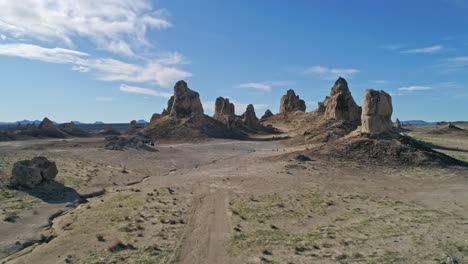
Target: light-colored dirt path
x,y
207,231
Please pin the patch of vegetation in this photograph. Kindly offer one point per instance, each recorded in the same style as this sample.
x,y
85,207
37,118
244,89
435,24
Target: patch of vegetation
x,y
313,228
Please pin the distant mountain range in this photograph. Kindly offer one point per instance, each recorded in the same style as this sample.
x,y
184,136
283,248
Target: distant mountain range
x,y
416,123
37,122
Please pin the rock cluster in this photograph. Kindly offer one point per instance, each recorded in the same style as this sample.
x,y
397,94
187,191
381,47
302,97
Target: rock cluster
x,y
290,102
72,130
376,112
31,173
186,102
109,130
48,129
340,105
267,114
224,110
249,118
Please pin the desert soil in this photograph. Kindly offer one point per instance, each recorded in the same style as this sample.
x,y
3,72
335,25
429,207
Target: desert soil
x,y
226,201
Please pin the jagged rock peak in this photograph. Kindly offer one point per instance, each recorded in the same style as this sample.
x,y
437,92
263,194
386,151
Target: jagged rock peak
x,y
186,102
223,109
340,105
290,102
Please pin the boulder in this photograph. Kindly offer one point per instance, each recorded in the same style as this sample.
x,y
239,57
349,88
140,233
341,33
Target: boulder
x,y
186,101
249,118
397,124
290,102
31,173
376,112
223,109
340,105
48,129
267,114
72,130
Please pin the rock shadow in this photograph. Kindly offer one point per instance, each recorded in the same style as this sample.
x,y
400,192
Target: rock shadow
x,y
55,193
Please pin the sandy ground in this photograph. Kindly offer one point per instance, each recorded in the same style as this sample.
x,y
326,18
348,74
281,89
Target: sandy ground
x,y
227,201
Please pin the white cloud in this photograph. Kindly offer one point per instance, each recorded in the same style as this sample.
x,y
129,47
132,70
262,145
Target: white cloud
x,y
256,86
265,86
425,50
106,69
139,90
331,73
379,82
104,99
80,68
2,37
114,25
414,88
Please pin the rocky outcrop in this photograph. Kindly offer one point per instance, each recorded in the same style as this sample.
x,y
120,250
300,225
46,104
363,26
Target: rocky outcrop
x,y
249,118
340,105
48,129
397,124
290,102
133,128
109,130
224,110
31,173
267,114
155,117
168,110
19,127
72,130
186,102
376,112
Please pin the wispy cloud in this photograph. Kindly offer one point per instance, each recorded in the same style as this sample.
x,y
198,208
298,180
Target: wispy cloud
x,y
256,86
425,50
139,90
415,88
327,73
379,82
265,86
2,37
121,24
106,69
104,99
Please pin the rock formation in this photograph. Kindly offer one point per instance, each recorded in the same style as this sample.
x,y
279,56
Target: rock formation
x,y
31,173
168,110
290,102
186,101
109,130
155,117
340,105
224,110
376,112
267,114
249,118
19,127
48,129
72,130
133,128
397,124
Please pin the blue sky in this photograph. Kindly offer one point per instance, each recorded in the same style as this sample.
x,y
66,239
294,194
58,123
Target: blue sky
x,y
118,60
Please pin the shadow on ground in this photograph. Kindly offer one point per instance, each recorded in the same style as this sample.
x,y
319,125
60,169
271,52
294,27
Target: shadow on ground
x,y
55,193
